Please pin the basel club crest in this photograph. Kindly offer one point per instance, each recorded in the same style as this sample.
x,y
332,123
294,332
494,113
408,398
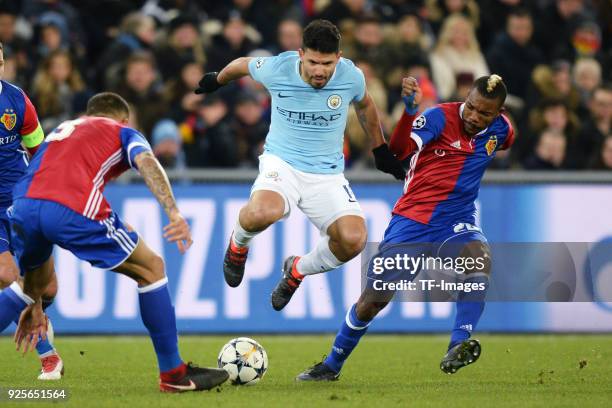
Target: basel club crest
x,y
491,145
9,119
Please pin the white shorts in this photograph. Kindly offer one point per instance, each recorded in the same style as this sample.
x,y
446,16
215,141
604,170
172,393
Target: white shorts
x,y
323,198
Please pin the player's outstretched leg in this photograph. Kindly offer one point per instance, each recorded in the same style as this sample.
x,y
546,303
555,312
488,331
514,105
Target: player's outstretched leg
x,y
12,303
157,313
345,239
355,325
263,209
462,349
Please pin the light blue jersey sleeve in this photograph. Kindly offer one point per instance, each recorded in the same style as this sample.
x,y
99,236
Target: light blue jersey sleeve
x,y
133,143
360,85
428,126
262,69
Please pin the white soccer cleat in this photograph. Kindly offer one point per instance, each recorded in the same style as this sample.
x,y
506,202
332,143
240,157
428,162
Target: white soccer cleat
x,y
52,368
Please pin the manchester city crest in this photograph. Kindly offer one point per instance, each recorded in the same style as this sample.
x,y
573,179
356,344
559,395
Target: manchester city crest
x,y
334,101
491,145
9,119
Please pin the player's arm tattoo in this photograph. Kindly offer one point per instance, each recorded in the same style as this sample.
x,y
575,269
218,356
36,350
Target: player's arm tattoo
x,y
157,180
369,120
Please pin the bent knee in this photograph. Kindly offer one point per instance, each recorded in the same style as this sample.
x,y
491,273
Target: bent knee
x,y
257,216
157,269
352,241
366,311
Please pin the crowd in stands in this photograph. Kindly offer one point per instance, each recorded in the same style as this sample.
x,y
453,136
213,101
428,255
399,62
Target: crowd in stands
x,y
554,55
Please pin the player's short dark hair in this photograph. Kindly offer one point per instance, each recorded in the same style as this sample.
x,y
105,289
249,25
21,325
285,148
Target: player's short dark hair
x,y
107,104
492,87
322,36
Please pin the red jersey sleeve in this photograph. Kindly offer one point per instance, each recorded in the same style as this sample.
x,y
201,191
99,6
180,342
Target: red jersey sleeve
x,y
510,137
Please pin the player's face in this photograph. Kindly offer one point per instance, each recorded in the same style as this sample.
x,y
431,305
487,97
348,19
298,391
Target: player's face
x,y
478,112
317,68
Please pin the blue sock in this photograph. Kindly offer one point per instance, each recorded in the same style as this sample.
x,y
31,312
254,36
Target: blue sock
x,y
469,309
346,340
12,303
158,317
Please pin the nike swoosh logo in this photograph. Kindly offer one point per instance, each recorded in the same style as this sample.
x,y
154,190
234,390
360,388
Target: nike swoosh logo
x,y
189,387
280,95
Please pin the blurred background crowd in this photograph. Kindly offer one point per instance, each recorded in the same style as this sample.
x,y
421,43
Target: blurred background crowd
x,y
554,55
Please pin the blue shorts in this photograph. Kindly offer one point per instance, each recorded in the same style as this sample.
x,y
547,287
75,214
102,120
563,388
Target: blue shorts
x,y
404,236
38,224
5,232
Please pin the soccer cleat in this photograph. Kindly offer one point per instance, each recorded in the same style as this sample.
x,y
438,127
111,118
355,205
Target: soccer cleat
x,y
233,264
460,355
291,280
52,368
193,378
318,372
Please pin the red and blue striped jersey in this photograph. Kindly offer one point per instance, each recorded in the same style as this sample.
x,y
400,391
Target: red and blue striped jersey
x,y
18,124
443,181
76,161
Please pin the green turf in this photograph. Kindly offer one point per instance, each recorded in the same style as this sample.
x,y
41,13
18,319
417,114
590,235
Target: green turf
x,y
384,371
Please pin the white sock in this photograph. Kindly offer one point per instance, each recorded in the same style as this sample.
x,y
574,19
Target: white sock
x,y
242,237
319,260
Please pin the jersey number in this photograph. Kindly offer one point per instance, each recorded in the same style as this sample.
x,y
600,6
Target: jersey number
x,y
64,130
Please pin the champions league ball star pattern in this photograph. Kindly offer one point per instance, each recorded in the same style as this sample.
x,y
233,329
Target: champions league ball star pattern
x,y
245,360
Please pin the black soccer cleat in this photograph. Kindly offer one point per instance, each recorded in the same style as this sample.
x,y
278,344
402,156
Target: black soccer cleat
x,y
233,264
282,293
318,372
195,379
460,355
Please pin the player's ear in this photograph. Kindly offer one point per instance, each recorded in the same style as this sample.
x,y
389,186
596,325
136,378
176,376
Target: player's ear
x,y
301,53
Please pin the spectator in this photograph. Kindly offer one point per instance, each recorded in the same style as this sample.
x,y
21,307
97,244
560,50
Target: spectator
x,y
439,10
232,43
456,52
183,45
552,114
339,11
556,26
603,158
289,37
598,126
493,15
370,46
13,44
137,34
142,89
207,136
513,56
179,94
249,128
167,145
549,153
553,82
409,49
59,91
587,77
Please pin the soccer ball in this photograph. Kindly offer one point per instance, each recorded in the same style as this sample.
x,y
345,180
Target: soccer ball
x,y
245,361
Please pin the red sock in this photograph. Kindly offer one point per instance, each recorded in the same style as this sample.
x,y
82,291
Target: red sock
x,y
294,271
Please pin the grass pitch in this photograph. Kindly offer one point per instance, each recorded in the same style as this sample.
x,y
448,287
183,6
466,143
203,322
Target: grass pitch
x,y
384,371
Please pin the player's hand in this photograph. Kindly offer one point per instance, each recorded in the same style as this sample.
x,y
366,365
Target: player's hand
x,y
178,231
32,324
208,83
411,95
386,162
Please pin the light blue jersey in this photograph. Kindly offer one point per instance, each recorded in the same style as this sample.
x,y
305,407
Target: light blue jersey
x,y
307,127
